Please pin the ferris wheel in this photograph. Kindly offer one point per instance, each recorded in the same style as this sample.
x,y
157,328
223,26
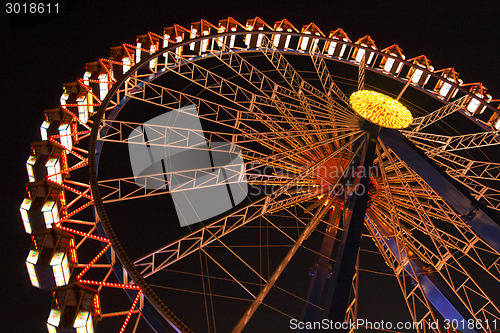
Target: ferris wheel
x,y
252,177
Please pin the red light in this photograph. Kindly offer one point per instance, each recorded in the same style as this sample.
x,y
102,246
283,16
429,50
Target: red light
x,y
85,270
97,305
76,232
130,312
111,285
67,216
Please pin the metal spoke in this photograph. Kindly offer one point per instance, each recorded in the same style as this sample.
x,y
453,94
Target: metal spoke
x,y
171,253
457,142
325,77
429,119
281,267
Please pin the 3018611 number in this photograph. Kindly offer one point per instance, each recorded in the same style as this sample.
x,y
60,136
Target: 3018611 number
x,y
31,8
471,324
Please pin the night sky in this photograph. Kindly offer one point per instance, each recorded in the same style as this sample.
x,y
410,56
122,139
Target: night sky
x,y
40,53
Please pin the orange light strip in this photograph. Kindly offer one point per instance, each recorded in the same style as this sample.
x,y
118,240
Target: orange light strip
x,y
85,270
79,165
107,68
97,305
79,209
125,323
72,134
111,285
111,61
61,146
116,314
137,48
84,234
76,105
89,91
73,116
64,161
68,187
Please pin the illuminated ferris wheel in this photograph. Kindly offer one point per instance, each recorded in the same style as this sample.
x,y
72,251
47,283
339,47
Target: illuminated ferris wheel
x,y
248,177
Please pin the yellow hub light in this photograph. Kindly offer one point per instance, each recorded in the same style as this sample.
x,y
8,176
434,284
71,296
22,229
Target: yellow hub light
x,y
380,109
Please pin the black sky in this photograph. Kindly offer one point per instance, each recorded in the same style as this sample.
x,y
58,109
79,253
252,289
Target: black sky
x,y
40,53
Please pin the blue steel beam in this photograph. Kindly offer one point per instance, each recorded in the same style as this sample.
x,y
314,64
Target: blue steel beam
x,y
337,297
435,289
322,270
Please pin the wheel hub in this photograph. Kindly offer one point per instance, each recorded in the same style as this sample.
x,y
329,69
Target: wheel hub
x,y
380,109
